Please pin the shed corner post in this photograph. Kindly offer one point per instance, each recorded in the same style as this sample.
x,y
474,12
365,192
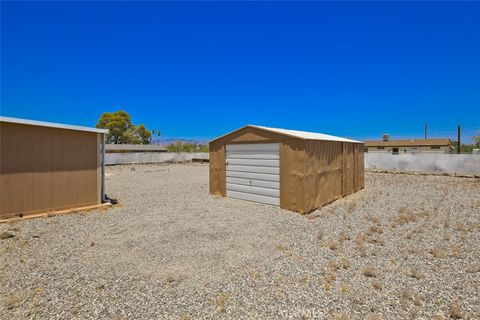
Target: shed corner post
x,y
103,169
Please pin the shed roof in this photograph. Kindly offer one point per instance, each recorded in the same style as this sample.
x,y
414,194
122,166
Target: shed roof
x,y
304,135
51,125
409,143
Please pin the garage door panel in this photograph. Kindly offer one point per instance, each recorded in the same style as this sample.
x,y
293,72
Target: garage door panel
x,y
253,197
254,190
254,183
269,155
253,147
253,162
253,172
255,176
254,169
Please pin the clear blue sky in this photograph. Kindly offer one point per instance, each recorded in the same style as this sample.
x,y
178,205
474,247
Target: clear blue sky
x,y
202,69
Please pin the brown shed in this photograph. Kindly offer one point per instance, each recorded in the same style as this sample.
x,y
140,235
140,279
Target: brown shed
x,y
296,170
48,167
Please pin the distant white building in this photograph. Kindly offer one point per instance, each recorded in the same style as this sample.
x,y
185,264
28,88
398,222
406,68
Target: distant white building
x,y
409,145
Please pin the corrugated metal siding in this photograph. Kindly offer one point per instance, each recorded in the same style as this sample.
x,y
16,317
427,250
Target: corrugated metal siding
x,y
45,169
323,173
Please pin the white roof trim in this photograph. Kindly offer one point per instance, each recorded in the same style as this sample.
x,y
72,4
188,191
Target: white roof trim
x,y
306,135
297,134
51,125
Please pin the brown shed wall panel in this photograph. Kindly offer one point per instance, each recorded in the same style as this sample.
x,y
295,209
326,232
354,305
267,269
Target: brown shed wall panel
x,y
323,173
217,169
360,168
292,174
45,169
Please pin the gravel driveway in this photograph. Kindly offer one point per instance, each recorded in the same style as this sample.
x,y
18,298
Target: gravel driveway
x,y
405,247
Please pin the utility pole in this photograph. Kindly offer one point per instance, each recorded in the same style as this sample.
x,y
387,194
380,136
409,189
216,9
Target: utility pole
x,y
426,128
458,142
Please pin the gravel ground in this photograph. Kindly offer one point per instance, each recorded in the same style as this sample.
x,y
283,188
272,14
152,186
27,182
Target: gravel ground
x,y
405,247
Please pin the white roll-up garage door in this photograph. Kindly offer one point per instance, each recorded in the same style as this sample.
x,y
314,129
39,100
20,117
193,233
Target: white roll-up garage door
x,y
253,172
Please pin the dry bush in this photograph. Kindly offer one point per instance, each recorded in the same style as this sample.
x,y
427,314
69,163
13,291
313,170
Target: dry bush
x,y
376,240
330,277
371,218
402,210
370,271
345,263
221,302
377,285
332,245
344,288
416,273
360,240
437,253
455,311
446,237
281,247
344,236
374,252
305,279
460,227
334,265
375,229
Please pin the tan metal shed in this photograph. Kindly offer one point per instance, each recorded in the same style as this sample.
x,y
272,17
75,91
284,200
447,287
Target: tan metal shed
x,y
296,170
48,167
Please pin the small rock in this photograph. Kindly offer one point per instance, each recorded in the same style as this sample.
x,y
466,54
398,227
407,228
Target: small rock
x,y
6,235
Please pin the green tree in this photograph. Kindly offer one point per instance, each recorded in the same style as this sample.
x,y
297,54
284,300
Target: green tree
x,y
476,140
121,130
143,134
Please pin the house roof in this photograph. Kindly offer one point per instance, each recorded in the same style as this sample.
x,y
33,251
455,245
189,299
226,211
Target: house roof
x,y
51,125
409,143
304,135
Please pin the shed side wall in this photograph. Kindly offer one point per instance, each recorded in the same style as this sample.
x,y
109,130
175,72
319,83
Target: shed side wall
x,y
323,173
360,167
44,169
292,174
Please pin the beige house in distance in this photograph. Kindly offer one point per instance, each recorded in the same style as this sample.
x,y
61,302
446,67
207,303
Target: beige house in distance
x,y
404,146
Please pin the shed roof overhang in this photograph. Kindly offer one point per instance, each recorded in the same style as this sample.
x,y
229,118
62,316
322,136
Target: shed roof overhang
x,y
302,135
51,125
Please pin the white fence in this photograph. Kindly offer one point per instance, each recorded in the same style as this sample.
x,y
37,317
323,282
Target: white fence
x,y
421,162
152,157
425,162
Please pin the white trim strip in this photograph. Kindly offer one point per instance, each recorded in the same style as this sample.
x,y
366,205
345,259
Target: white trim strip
x,y
51,125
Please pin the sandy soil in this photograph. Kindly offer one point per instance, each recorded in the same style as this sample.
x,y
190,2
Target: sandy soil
x,y
404,247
